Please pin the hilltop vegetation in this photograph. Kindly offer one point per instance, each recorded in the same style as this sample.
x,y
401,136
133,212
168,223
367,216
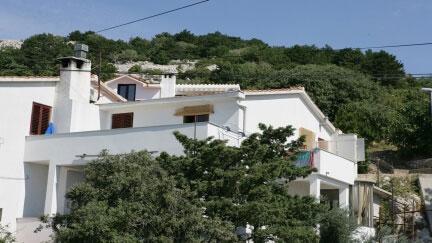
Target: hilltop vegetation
x,y
367,92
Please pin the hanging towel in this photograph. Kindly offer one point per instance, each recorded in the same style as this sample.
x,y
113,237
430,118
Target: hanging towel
x,y
306,158
51,129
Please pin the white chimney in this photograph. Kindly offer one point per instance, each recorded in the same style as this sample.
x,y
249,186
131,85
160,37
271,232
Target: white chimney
x,y
168,85
73,90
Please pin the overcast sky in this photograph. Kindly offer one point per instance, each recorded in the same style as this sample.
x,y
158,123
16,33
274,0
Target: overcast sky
x,y
338,23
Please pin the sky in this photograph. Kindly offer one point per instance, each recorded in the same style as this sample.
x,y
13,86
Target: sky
x,y
338,23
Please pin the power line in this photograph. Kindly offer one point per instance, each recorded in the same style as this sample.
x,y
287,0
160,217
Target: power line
x,y
152,16
390,46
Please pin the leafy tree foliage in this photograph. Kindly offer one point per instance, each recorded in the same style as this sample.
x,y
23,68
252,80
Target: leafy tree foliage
x,y
248,184
203,195
39,53
329,86
135,69
336,226
11,63
130,198
411,128
382,67
37,56
369,121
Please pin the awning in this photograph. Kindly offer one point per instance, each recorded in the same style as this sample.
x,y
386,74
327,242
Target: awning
x,y
194,110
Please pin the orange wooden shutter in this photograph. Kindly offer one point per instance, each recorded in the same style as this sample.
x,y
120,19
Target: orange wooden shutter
x,y
40,118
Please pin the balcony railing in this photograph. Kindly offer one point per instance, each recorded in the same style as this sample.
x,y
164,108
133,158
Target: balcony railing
x,y
328,164
67,147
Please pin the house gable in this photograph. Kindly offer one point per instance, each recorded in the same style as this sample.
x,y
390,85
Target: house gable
x,y
144,90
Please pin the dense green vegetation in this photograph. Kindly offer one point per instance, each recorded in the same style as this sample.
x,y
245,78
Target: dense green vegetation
x,y
204,195
363,92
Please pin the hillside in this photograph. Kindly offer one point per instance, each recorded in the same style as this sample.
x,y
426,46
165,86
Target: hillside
x,y
367,92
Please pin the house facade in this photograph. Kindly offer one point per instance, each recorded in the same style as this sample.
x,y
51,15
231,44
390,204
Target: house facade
x,y
52,126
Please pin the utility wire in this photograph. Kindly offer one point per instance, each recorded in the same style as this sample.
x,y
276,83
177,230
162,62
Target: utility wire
x,y
390,46
152,16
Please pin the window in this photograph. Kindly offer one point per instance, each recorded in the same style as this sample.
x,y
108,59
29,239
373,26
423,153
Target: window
x,y
127,91
196,118
122,120
40,118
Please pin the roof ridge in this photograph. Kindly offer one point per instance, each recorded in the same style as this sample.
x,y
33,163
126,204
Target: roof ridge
x,y
275,90
211,84
16,76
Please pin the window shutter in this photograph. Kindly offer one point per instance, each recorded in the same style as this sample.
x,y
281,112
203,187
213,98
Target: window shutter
x,y
122,120
34,123
45,118
40,118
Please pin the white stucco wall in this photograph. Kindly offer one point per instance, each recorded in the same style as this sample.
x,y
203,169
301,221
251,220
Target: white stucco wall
x,y
16,100
226,113
35,189
336,167
143,92
281,110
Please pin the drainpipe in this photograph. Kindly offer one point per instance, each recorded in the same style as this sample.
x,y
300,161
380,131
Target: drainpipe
x,y
243,108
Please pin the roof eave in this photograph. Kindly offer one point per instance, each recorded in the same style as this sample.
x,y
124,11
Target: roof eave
x,y
235,95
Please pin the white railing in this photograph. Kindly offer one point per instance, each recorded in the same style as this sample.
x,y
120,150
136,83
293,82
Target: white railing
x,y
328,164
351,149
66,147
336,167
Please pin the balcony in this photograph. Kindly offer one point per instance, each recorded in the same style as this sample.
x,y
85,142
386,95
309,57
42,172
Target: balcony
x,y
328,164
68,148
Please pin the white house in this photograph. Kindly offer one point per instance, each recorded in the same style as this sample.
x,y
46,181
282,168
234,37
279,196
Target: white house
x,y
135,113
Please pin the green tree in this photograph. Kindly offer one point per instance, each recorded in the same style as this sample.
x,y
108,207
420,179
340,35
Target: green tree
x,y
349,58
336,226
39,53
127,55
329,86
135,69
248,184
411,128
130,198
108,71
368,121
11,63
383,67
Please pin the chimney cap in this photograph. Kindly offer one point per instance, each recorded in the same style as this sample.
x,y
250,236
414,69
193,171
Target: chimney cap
x,y
81,47
81,50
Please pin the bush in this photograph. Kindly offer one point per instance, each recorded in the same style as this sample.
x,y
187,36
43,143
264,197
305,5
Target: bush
x,y
135,69
336,226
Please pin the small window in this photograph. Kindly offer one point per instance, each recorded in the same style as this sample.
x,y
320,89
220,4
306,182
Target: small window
x,y
40,118
122,120
196,118
127,91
